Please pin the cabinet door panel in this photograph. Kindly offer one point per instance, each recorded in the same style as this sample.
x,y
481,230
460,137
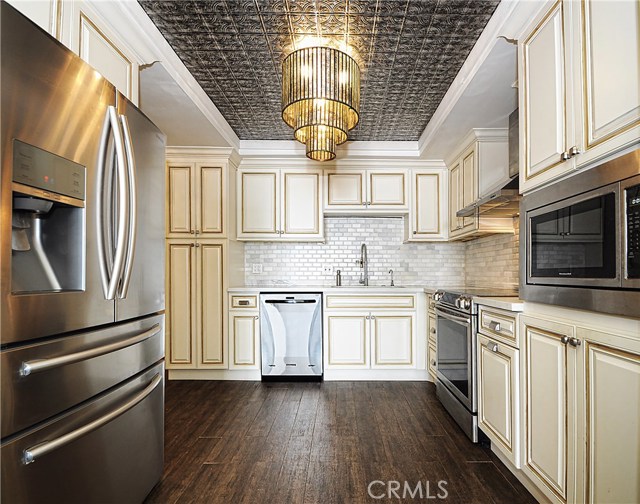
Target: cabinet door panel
x,y
211,200
613,425
211,331
345,190
347,340
612,67
454,198
427,204
546,408
301,205
393,336
244,330
387,189
498,395
181,304
258,206
180,199
106,57
545,103
468,190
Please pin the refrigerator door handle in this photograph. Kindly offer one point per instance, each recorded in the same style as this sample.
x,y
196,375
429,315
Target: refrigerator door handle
x,y
101,192
36,365
30,455
123,205
133,198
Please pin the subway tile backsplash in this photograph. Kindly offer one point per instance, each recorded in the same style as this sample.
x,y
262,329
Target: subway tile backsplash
x,y
436,264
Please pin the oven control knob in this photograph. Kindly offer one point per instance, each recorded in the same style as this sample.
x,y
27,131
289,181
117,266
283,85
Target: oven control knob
x,y
438,296
465,303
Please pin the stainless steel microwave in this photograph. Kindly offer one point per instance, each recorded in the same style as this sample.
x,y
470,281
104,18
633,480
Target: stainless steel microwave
x,y
580,240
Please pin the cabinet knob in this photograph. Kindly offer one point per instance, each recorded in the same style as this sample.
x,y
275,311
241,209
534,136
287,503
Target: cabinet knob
x,y
433,363
574,151
564,340
433,330
197,231
565,156
256,317
574,342
415,232
191,231
197,244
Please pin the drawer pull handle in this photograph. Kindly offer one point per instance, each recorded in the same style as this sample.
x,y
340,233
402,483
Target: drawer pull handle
x,y
31,454
243,302
494,326
494,348
36,365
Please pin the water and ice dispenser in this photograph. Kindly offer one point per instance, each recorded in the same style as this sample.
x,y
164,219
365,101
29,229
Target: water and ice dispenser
x,y
47,222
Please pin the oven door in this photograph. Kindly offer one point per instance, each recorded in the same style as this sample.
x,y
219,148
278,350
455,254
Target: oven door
x,y
575,242
455,354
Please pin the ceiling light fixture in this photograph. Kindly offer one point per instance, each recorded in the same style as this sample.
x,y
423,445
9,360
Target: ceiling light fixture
x,y
320,98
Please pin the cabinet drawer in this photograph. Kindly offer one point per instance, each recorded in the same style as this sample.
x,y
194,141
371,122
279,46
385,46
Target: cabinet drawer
x,y
432,330
244,302
501,324
431,360
371,302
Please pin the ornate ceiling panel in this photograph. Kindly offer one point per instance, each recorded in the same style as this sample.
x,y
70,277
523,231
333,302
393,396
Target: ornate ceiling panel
x,y
409,53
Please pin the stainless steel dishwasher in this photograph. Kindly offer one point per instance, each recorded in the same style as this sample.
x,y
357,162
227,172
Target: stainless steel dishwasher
x,y
291,334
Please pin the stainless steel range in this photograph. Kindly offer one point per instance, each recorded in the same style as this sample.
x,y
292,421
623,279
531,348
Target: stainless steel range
x,y
456,321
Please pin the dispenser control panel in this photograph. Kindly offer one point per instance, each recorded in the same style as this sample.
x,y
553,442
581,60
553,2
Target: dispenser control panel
x,y
39,168
633,231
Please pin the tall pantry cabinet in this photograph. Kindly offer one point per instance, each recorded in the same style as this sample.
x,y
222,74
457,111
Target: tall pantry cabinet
x,y
203,256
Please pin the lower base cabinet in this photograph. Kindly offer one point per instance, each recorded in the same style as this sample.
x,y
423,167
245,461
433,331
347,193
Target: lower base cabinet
x,y
581,393
244,338
499,396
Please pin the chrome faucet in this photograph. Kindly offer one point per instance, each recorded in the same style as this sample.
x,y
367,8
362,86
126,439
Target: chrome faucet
x,y
364,265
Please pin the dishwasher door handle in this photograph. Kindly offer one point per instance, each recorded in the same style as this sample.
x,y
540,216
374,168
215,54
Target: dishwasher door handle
x,y
290,301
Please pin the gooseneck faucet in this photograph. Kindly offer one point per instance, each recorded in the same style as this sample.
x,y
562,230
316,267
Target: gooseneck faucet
x,y
364,265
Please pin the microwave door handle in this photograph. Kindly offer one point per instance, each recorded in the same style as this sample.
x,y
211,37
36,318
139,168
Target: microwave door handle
x,y
123,206
132,220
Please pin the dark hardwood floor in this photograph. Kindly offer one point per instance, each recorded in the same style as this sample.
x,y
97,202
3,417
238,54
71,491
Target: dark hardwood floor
x,y
288,443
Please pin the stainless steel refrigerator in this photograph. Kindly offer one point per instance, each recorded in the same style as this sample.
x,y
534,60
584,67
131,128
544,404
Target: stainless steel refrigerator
x,y
82,279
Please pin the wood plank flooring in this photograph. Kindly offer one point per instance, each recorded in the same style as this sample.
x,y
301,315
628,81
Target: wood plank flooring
x,y
307,443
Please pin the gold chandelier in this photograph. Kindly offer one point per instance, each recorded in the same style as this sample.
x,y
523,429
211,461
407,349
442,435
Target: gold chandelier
x,y
320,98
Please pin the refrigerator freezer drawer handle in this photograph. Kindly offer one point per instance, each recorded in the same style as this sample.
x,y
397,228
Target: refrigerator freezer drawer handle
x,y
33,366
30,455
133,198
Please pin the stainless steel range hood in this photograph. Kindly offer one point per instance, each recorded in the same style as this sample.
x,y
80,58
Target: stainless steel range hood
x,y
504,200
501,202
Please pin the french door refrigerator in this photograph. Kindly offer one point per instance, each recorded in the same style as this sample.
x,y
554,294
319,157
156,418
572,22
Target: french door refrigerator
x,y
82,279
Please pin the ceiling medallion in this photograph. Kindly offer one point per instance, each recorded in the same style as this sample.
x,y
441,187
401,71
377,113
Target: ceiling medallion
x,y
320,98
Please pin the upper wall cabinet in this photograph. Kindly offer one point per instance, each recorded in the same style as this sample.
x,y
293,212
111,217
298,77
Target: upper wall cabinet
x,y
197,201
45,13
371,191
427,218
280,204
580,75
483,161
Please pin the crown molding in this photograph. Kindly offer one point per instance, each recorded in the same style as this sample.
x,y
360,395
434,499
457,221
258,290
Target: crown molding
x,y
212,154
509,20
135,26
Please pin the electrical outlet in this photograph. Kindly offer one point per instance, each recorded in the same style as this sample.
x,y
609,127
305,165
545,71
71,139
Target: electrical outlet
x,y
256,269
327,269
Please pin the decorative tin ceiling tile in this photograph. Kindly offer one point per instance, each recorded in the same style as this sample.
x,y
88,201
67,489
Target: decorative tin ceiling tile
x,y
409,51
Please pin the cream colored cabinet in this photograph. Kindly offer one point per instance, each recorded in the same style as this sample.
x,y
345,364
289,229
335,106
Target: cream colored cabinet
x,y
347,340
580,74
370,331
612,418
427,218
244,339
45,13
280,205
499,395
485,152
196,200
393,336
349,191
550,407
195,311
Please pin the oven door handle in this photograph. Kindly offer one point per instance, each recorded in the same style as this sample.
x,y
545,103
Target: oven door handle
x,y
451,316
